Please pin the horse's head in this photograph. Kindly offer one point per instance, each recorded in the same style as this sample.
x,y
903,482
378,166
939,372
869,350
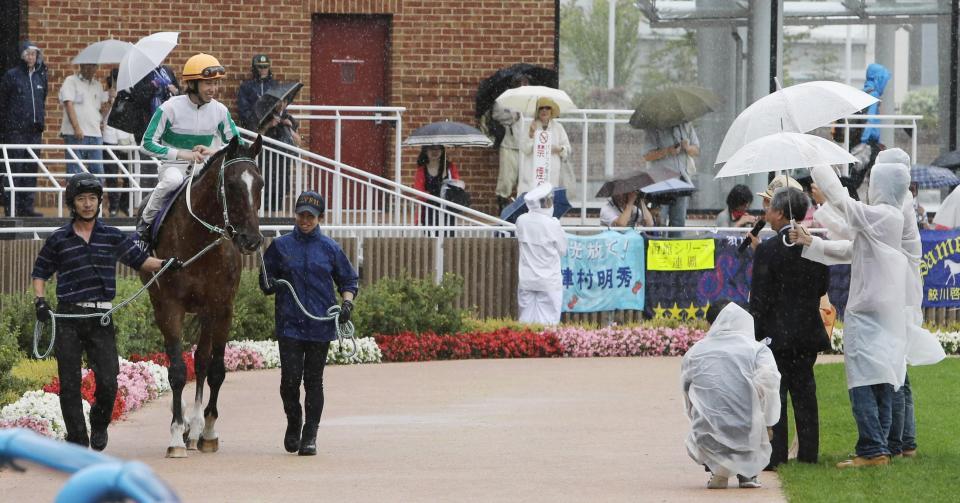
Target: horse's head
x,y
242,184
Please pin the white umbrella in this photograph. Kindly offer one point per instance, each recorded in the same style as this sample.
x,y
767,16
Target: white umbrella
x,y
147,54
784,151
104,52
798,109
524,99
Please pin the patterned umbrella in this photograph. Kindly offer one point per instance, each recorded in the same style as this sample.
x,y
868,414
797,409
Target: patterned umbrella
x,y
932,177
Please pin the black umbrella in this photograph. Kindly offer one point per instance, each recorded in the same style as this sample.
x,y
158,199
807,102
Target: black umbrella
x,y
950,160
493,86
265,107
625,184
447,133
519,206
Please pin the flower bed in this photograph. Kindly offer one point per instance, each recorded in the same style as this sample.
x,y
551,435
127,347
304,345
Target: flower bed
x,y
503,343
949,340
145,378
627,340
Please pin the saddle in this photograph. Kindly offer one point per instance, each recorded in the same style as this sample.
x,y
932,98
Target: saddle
x,y
153,232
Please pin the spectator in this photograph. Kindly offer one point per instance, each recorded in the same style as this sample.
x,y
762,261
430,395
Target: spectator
x,y
433,171
283,128
624,210
508,175
261,81
112,137
84,105
731,392
23,92
778,182
542,242
785,294
669,154
548,165
735,214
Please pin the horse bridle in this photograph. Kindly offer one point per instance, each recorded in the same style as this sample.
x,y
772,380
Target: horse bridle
x,y
227,231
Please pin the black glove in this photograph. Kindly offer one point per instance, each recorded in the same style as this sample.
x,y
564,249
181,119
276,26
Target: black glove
x,y
175,263
43,309
268,286
345,309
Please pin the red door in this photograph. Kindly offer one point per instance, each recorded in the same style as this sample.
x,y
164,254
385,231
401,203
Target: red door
x,y
349,68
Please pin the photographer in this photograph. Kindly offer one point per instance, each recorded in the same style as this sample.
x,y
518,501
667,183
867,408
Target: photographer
x,y
735,214
623,210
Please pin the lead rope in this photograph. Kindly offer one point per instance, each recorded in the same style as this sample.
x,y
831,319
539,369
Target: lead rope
x,y
344,331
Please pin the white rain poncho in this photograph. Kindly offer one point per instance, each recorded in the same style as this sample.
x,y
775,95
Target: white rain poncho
x,y
875,333
542,242
731,389
923,348
948,215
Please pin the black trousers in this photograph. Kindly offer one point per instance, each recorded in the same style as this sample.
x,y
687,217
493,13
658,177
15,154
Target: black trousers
x,y
74,337
117,201
302,361
796,379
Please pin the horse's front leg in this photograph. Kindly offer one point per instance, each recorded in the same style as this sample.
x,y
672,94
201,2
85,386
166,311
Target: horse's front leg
x,y
178,379
201,364
219,327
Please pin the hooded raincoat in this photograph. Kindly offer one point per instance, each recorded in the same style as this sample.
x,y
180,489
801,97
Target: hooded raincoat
x,y
877,78
23,95
731,390
948,216
542,243
875,333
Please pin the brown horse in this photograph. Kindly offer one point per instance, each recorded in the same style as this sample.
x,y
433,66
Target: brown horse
x,y
220,207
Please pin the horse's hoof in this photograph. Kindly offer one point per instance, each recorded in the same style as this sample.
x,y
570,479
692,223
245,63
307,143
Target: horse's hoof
x,y
191,444
176,452
208,444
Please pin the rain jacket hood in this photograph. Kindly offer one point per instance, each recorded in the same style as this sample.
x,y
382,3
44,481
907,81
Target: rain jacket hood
x,y
23,47
731,388
534,199
542,243
888,184
877,78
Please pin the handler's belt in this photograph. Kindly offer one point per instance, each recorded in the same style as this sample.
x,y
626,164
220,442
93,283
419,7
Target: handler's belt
x,y
94,305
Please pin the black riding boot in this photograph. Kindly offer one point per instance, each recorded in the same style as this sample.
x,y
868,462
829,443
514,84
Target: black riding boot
x,y
308,440
291,439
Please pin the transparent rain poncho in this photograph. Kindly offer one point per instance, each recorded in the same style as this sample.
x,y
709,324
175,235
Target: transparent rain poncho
x,y
875,322
731,389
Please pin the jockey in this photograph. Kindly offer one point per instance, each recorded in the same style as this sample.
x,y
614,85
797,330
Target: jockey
x,y
185,130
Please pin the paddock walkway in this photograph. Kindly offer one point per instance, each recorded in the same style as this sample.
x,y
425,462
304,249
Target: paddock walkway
x,y
600,429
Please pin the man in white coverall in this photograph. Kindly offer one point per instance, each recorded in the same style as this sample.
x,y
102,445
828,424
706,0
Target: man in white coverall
x,y
731,389
875,331
923,348
542,242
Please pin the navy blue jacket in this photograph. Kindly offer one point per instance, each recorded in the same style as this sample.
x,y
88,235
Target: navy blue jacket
x,y
86,272
22,97
247,95
313,263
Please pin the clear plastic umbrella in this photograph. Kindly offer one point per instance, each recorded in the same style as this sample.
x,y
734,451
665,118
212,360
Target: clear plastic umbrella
x,y
104,52
797,109
147,54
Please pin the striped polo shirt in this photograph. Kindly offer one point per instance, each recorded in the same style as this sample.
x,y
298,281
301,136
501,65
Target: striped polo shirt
x,y
86,272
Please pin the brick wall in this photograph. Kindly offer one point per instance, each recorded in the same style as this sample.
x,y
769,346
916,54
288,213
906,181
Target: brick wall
x,y
440,50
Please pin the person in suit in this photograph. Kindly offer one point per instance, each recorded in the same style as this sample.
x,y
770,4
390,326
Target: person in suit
x,y
785,303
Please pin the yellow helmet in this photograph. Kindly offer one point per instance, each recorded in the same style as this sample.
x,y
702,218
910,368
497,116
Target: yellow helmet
x,y
203,67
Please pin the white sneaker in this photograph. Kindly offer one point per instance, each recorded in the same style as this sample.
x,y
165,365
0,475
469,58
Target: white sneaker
x,y
717,482
748,482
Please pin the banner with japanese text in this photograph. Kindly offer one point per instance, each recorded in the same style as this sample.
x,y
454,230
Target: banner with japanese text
x,y
940,268
603,272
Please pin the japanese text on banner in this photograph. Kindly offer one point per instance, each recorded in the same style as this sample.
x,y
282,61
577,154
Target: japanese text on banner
x,y
680,255
541,156
604,272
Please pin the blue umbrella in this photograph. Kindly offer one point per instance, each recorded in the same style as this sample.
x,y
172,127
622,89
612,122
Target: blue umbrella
x,y
519,207
931,177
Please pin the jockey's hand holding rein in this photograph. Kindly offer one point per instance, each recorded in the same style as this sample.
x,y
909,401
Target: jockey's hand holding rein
x,y
193,156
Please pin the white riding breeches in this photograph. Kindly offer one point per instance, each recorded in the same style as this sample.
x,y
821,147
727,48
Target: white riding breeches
x,y
169,177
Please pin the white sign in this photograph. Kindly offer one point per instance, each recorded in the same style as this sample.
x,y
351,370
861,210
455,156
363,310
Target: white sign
x,y
541,156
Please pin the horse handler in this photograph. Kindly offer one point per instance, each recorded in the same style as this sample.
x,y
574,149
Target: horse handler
x,y
312,263
84,255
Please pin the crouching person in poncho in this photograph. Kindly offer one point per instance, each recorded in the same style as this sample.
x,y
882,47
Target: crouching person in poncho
x,y
731,389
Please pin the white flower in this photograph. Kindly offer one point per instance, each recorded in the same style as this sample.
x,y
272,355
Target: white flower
x,y
42,405
367,352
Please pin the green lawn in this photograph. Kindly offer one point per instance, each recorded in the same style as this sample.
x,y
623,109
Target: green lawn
x,y
931,476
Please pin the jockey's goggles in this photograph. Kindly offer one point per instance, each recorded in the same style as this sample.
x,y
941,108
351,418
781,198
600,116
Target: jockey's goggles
x,y
210,72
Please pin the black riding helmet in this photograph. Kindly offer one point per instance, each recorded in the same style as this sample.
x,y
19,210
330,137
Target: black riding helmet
x,y
82,183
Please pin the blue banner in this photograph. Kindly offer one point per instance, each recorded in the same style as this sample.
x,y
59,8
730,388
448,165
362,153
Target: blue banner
x,y
940,268
603,272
